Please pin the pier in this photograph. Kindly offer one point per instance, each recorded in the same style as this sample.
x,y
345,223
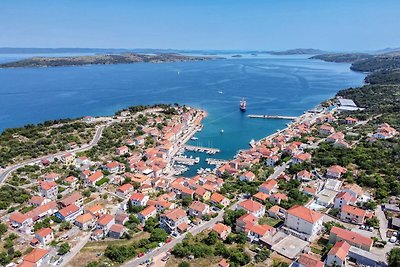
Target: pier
x,y
216,161
272,117
185,161
207,150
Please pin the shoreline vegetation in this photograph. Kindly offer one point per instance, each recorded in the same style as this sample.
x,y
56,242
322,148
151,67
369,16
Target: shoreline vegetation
x,y
106,59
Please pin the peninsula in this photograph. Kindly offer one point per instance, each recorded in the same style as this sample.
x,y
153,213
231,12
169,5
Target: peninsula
x,y
106,59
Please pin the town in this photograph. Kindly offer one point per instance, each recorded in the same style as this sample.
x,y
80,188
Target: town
x,y
122,199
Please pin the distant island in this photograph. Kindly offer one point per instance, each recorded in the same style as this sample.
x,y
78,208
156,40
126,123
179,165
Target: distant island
x,y
298,51
342,57
125,58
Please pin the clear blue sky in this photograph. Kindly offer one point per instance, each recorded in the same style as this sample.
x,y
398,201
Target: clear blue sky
x,y
201,24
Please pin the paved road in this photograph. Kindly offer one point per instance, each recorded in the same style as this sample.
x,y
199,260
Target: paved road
x,y
75,250
383,222
11,169
278,171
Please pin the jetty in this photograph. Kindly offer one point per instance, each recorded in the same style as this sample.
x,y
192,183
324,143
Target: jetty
x,y
185,161
216,161
272,117
208,150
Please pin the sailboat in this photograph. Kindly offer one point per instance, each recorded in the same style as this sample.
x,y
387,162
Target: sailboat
x,y
243,105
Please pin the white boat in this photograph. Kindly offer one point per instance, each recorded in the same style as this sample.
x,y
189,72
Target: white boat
x,y
220,92
194,138
222,130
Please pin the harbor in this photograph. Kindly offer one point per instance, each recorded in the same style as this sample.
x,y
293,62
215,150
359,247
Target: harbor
x,y
217,162
208,150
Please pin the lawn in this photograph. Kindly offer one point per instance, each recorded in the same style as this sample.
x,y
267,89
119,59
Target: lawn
x,y
269,220
93,251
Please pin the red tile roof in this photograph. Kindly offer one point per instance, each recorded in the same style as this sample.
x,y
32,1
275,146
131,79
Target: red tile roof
x,y
44,232
116,228
354,210
351,237
340,250
36,255
308,260
68,210
251,205
305,213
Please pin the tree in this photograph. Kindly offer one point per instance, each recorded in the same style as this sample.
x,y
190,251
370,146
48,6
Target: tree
x,y
150,224
374,222
3,229
158,235
186,201
262,255
211,239
184,264
393,257
65,225
64,248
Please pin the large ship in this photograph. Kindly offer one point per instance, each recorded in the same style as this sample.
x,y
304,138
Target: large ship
x,y
243,104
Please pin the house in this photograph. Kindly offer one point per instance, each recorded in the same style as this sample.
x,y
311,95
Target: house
x,y
308,190
304,220
337,254
71,181
19,220
68,159
326,197
304,176
268,187
105,222
335,171
252,207
37,257
222,230
276,212
116,231
326,129
198,209
300,158
88,119
124,190
162,205
44,235
223,263
150,211
271,161
48,190
94,178
51,177
344,198
354,239
308,260
350,120
247,176
96,210
333,138
82,161
352,214
277,198
69,213
202,194
354,189
258,231
122,150
218,199
171,219
112,167
245,222
37,201
139,199
385,131
260,197
85,221
75,198
121,218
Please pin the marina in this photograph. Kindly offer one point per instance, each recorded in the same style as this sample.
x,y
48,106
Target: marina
x,y
187,161
272,117
212,161
207,150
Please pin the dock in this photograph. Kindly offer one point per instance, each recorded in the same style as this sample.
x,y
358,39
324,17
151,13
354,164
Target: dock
x,y
272,117
216,161
207,150
185,161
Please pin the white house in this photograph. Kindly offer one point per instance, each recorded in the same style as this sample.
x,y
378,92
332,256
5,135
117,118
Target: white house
x,y
304,220
252,207
139,199
338,254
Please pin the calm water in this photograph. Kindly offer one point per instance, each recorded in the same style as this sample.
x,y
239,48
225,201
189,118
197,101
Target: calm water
x,y
271,85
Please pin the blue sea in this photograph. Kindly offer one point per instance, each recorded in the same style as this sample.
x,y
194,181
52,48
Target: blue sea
x,y
273,85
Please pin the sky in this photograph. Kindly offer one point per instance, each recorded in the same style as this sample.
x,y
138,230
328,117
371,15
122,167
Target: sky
x,y
340,25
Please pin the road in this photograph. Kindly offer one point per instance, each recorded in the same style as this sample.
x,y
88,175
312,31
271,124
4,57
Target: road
x,y
383,222
278,171
95,140
166,247
75,250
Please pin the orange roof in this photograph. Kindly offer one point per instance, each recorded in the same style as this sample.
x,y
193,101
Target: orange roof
x,y
105,219
112,164
308,260
116,228
251,205
247,218
95,209
198,206
137,196
36,200
337,169
43,232
354,210
280,196
70,179
47,185
84,218
95,176
18,217
351,237
35,255
125,187
175,214
261,195
223,263
217,197
274,209
27,264
340,249
148,210
305,213
220,228
68,210
261,229
270,184
183,226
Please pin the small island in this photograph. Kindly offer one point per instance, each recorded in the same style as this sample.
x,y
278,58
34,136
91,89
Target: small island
x,y
106,59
